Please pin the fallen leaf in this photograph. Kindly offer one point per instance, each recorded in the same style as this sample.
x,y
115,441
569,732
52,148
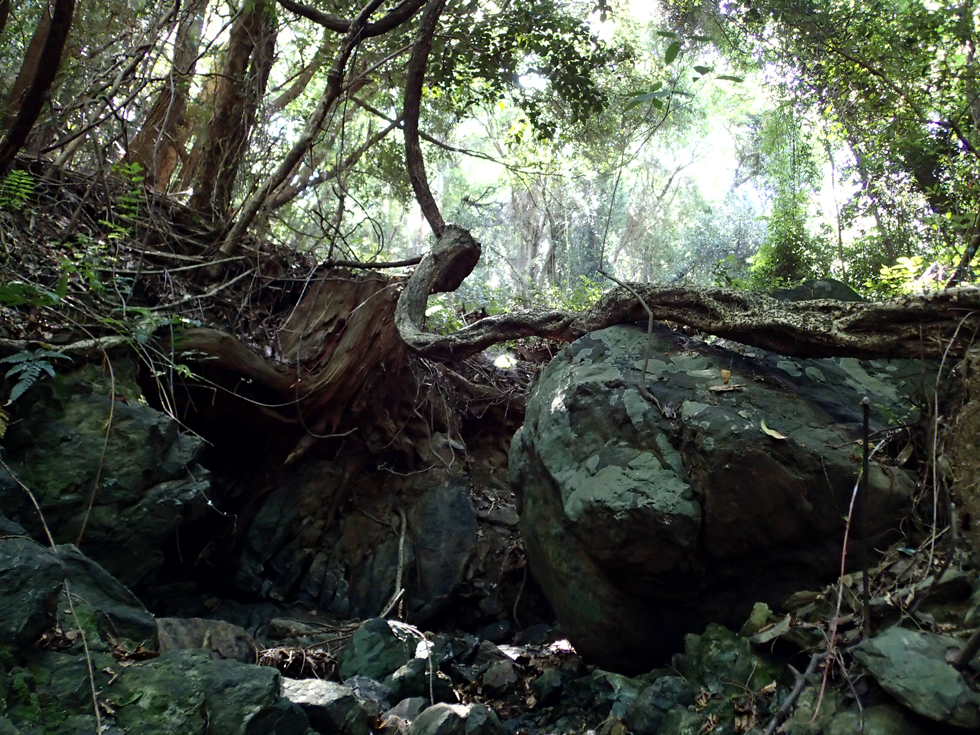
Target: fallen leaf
x,y
771,432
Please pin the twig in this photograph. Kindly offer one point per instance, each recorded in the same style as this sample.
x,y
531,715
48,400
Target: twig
x,y
798,688
966,654
68,595
517,599
399,590
105,446
649,345
862,523
207,294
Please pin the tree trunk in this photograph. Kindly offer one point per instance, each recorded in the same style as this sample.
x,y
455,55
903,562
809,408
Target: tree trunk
x,y
28,68
159,143
248,60
37,74
4,14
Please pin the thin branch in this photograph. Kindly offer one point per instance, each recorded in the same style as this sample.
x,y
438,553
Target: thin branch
x,y
413,103
389,22
259,200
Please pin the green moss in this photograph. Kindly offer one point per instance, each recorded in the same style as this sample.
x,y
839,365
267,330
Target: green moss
x,y
22,700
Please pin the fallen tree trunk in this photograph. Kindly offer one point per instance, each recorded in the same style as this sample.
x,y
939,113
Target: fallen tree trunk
x,y
925,326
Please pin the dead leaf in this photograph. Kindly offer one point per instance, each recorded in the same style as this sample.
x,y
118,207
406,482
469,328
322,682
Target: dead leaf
x,y
771,432
726,375
905,455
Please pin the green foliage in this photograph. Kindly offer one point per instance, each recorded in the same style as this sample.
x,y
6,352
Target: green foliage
x,y
450,312
505,56
18,293
898,279
16,189
128,204
786,255
28,366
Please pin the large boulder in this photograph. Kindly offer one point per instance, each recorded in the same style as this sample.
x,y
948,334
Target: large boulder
x,y
350,569
186,692
643,522
911,666
97,458
35,582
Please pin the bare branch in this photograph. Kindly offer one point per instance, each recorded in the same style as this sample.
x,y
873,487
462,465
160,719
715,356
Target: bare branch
x,y
392,20
911,326
413,103
259,200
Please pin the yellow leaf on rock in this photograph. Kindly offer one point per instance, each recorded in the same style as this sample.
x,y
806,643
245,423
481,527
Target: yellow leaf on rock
x,y
771,432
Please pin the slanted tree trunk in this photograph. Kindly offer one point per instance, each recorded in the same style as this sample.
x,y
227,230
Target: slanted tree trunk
x,y
28,68
159,143
37,74
4,13
248,61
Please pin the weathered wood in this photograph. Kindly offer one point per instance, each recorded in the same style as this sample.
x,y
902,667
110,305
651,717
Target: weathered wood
x,y
930,325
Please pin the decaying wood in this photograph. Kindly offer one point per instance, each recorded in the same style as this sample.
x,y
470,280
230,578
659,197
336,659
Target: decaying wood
x,y
926,326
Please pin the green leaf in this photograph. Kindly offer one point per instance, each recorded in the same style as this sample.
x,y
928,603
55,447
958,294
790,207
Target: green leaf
x,y
703,69
667,34
654,95
671,53
727,78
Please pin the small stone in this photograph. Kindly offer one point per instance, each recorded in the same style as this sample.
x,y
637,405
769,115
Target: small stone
x,y
500,678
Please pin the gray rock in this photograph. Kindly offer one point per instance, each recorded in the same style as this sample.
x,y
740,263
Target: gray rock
x,y
613,693
911,666
884,719
444,525
373,696
148,480
681,722
500,678
376,650
186,692
33,589
548,687
31,578
118,614
457,719
407,709
414,680
645,714
642,525
53,691
400,717
221,638
330,707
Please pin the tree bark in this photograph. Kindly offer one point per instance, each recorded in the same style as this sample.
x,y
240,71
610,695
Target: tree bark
x,y
246,70
927,326
413,103
158,145
4,13
27,105
256,204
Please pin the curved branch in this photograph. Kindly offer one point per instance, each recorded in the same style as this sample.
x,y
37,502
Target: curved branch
x,y
413,104
912,326
392,20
